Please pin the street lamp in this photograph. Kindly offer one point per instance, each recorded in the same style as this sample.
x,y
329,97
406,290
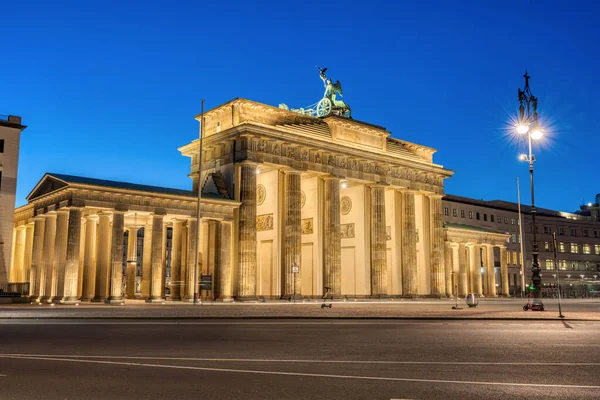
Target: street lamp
x,y
528,125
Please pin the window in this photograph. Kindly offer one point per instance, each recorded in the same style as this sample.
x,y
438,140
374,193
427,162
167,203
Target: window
x,y
508,257
513,238
518,238
561,231
0,179
584,232
574,266
492,217
595,233
597,248
574,248
587,249
572,232
462,213
506,220
546,246
561,247
485,217
454,212
477,216
549,264
445,210
499,219
512,221
470,214
514,257
1,145
562,264
546,229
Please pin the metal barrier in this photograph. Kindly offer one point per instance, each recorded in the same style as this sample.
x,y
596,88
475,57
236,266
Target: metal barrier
x,y
17,289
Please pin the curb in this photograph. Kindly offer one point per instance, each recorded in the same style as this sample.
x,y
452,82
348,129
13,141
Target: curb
x,y
252,317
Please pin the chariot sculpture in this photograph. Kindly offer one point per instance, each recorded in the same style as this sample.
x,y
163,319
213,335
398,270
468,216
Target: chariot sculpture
x,y
329,104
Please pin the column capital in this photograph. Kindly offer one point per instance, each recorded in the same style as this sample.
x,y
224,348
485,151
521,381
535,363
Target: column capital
x,y
435,196
92,217
382,185
249,163
291,171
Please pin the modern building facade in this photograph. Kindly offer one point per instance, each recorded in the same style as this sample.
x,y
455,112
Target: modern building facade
x,y
10,139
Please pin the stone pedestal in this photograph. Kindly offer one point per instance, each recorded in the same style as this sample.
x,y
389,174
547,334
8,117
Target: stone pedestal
x,y
89,260
156,272
116,272
71,272
332,242
409,246
293,235
438,277
378,243
36,257
247,233
102,257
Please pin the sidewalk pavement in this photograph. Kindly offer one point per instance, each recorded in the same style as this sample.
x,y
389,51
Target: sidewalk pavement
x,y
488,309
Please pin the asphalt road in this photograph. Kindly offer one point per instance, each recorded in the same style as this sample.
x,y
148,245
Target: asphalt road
x,y
128,359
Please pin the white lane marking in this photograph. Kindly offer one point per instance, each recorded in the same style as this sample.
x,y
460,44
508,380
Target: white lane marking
x,y
304,361
258,372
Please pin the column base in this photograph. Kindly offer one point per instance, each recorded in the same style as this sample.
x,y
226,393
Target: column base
x,y
225,299
292,297
98,300
69,301
178,298
246,299
115,300
155,300
85,299
43,299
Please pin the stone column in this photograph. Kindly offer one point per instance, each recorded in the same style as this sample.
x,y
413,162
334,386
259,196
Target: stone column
x,y
39,227
332,237
176,239
28,252
378,243
192,266
102,257
71,272
476,269
293,234
409,245
184,261
449,268
89,261
225,270
504,272
12,270
116,258
19,255
47,256
463,268
490,272
131,261
156,272
247,232
60,256
163,270
147,259
438,276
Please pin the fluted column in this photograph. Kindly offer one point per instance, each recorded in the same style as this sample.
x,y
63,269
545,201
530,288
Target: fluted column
x,y
184,261
247,232
47,256
17,270
504,272
409,245
225,269
490,272
131,261
71,270
39,228
332,238
463,270
191,281
147,259
378,243
449,268
438,276
157,260
89,260
28,252
102,257
163,270
12,270
293,233
116,258
475,257
60,255
176,239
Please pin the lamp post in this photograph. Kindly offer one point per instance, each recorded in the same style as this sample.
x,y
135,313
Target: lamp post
x,y
528,125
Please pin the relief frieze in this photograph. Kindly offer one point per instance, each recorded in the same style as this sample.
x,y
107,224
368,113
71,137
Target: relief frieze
x,y
264,222
347,231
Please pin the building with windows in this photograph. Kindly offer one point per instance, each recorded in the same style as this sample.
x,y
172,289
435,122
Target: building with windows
x,y
578,241
10,139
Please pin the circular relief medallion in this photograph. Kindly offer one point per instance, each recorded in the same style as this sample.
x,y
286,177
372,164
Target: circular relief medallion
x,y
345,205
261,194
302,198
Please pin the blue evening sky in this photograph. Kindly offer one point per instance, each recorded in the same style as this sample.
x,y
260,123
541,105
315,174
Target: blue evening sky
x,y
109,89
